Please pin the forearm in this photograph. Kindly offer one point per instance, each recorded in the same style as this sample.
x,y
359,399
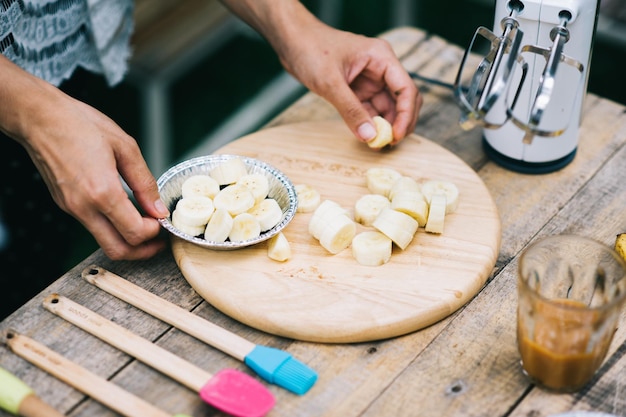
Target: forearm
x,y
22,96
278,21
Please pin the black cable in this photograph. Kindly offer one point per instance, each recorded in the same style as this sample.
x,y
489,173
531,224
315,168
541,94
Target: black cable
x,y
429,80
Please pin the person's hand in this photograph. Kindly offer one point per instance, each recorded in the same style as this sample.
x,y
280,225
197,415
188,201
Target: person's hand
x,y
360,76
81,154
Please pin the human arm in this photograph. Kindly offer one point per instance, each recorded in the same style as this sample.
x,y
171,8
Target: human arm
x,y
81,154
360,76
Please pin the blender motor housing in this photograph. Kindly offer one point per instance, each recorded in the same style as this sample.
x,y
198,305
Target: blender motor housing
x,y
556,143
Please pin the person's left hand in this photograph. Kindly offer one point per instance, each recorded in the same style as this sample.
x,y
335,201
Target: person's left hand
x,y
360,76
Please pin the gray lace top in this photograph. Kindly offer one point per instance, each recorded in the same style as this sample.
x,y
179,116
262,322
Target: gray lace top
x,y
51,38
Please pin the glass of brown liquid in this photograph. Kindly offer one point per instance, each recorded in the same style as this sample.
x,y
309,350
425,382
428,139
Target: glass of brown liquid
x,y
571,290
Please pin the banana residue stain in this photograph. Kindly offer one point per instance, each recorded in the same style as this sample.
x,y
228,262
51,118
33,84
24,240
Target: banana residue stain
x,y
311,272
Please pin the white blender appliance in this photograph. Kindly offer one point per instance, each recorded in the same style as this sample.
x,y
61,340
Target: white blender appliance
x,y
527,91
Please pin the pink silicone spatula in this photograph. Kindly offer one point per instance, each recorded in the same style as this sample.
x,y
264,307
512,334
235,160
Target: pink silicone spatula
x,y
229,390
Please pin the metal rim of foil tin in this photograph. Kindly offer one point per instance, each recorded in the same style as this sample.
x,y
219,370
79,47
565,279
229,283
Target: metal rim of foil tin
x,y
281,189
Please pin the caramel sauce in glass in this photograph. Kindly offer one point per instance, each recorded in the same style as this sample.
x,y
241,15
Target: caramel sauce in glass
x,y
561,353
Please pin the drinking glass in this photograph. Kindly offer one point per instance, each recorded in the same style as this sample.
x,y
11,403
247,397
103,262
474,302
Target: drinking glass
x,y
571,289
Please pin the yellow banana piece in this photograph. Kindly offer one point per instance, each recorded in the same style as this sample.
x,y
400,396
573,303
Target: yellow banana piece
x,y
278,248
380,180
620,245
229,171
371,248
368,206
200,185
384,133
397,226
308,198
436,214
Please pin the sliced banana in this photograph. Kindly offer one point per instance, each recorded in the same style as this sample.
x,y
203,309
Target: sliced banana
x,y
185,228
278,248
384,133
368,206
308,198
371,248
436,213
194,211
412,203
229,171
451,191
620,245
257,184
200,185
338,234
218,227
245,227
381,179
235,198
404,183
267,212
325,212
397,226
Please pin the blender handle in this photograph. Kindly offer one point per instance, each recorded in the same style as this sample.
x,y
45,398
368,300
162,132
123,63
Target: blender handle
x,y
554,56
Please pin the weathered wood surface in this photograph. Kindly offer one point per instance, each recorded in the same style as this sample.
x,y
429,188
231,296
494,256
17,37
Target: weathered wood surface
x,y
465,365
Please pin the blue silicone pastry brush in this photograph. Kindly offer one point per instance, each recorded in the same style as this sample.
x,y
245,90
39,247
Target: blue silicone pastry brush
x,y
273,365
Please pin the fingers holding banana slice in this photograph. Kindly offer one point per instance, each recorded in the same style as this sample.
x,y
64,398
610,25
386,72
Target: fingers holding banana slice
x,y
384,133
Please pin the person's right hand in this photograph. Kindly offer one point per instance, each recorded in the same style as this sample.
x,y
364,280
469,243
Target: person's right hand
x,y
82,156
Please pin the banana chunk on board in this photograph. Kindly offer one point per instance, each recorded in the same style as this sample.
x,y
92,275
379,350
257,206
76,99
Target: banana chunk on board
x,y
371,248
395,208
308,198
278,248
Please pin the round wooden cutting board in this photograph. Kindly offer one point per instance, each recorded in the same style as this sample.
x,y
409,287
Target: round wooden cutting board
x,y
316,296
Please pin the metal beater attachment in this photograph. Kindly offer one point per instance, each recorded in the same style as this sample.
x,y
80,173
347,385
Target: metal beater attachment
x,y
492,77
547,83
